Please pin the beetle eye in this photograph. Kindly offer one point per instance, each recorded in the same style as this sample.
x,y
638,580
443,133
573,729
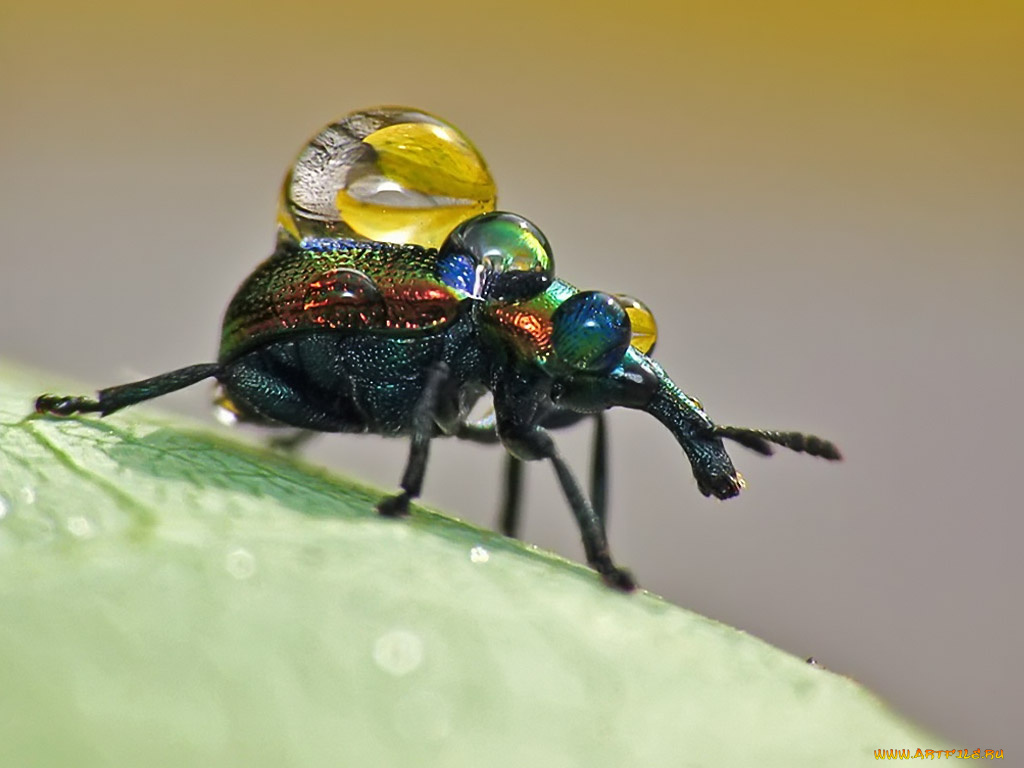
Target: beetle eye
x,y
645,330
591,331
497,256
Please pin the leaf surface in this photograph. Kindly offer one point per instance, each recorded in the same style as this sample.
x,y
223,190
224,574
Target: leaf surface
x,y
172,597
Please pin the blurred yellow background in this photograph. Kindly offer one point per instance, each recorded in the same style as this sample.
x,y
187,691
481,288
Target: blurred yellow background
x,y
822,203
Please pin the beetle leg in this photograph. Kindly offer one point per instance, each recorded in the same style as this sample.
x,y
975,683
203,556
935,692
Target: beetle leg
x,y
535,443
509,518
599,468
419,450
595,540
293,441
115,398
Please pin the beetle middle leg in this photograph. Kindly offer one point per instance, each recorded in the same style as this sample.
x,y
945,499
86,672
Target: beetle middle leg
x,y
423,427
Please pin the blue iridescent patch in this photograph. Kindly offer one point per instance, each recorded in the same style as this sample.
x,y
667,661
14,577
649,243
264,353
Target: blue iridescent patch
x,y
458,271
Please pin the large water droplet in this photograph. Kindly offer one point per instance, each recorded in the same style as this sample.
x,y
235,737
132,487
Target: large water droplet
x,y
392,174
479,555
398,652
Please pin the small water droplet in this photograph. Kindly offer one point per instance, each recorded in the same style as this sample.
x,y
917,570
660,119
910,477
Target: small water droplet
x,y
28,494
240,563
811,661
482,415
479,555
5,507
224,416
398,652
79,527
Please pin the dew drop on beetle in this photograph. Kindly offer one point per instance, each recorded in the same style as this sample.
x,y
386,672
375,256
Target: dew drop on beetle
x,y
391,174
641,320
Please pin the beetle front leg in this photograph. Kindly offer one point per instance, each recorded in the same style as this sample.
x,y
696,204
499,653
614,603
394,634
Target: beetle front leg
x,y
419,450
535,443
115,398
511,500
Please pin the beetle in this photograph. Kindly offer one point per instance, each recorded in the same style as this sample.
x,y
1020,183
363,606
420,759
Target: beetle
x,y
397,297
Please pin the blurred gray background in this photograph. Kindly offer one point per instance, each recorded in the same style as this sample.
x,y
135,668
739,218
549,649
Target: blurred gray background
x,y
821,202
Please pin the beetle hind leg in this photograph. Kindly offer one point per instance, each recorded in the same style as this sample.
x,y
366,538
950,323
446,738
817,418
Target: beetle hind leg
x,y
419,449
115,398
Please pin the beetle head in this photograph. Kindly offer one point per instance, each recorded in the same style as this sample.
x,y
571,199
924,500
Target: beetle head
x,y
639,382
592,345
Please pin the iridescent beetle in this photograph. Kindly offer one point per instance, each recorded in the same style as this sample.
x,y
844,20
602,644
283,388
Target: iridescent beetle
x,y
397,297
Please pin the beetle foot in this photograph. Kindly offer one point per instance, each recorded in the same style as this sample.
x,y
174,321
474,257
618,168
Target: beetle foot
x,y
394,506
618,578
65,405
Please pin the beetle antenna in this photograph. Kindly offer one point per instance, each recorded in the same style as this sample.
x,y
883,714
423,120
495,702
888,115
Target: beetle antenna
x,y
760,440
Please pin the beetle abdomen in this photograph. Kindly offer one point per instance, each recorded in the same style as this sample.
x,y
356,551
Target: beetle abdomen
x,y
340,285
333,383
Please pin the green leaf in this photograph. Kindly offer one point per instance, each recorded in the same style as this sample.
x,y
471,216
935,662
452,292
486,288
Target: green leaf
x,y
171,597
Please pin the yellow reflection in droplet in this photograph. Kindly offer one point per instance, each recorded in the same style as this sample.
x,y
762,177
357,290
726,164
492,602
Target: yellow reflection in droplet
x,y
645,329
284,214
225,410
432,159
426,180
427,226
